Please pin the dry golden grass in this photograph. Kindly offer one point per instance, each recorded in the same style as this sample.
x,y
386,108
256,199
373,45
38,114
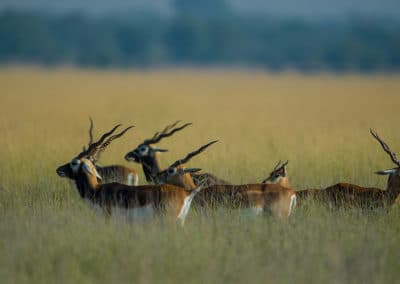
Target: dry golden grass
x,y
319,122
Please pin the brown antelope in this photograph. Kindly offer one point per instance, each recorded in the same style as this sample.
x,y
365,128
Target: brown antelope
x,y
278,176
269,198
351,195
148,155
113,173
172,200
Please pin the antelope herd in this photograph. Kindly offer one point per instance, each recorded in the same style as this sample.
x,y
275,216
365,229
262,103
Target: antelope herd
x,y
172,190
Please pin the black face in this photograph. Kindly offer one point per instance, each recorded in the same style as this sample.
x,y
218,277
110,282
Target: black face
x,y
141,152
70,170
132,157
65,171
279,173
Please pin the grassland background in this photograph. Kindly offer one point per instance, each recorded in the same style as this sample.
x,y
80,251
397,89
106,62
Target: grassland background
x,y
319,122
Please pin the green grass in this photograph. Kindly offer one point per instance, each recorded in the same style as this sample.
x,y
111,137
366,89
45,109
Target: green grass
x,y
320,123
55,241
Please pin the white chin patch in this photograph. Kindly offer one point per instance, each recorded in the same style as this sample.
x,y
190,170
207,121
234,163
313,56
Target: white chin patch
x,y
61,174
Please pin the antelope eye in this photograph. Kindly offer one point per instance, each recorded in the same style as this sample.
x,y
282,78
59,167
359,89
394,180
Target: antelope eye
x,y
143,149
171,171
75,162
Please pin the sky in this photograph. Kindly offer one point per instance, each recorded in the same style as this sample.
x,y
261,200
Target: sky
x,y
279,8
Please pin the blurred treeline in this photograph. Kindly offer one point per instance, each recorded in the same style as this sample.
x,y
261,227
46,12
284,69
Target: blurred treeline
x,y
218,39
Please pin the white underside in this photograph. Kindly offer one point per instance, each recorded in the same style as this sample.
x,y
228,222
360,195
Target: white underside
x,y
134,214
130,215
292,204
186,205
251,211
133,179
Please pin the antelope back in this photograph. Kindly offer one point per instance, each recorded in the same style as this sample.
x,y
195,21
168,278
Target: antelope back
x,y
272,199
118,173
208,179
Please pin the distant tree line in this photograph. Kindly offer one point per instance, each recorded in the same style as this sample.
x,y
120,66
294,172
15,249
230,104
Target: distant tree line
x,y
187,39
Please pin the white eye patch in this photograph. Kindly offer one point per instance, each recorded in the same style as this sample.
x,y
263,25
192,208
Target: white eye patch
x,y
143,150
75,165
172,171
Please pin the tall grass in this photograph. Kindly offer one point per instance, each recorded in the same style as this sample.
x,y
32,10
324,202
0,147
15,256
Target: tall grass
x,y
319,122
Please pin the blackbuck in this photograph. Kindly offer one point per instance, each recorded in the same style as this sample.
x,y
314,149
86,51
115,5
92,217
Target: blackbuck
x,y
147,154
112,173
272,199
165,199
346,195
278,175
350,195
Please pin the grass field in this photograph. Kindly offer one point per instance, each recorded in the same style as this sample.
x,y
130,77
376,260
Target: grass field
x,y
319,122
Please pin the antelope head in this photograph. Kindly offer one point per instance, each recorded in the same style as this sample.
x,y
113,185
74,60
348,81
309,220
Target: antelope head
x,y
178,175
394,173
84,173
278,175
146,153
92,152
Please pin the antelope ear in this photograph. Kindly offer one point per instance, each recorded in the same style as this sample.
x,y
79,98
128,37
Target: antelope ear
x,y
191,170
386,172
91,170
160,150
